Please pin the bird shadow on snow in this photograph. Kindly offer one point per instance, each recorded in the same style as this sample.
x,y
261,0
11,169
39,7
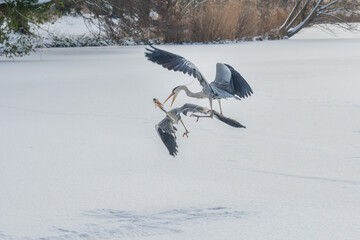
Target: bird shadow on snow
x,y
115,224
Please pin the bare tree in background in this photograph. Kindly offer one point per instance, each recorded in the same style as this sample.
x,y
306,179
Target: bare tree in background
x,y
117,19
305,13
138,19
212,20
174,18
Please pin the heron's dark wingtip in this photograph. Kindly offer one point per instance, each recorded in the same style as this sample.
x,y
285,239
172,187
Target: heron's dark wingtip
x,y
228,121
169,140
173,154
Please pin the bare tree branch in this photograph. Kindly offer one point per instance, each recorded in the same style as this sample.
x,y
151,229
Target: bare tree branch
x,y
290,15
328,5
303,9
318,11
297,28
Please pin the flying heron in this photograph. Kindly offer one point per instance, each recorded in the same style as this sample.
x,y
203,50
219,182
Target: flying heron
x,y
166,130
228,82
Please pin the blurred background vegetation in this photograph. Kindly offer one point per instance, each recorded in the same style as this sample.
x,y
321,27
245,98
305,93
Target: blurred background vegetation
x,y
177,21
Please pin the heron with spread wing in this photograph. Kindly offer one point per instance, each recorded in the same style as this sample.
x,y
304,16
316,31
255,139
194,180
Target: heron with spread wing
x,y
166,130
228,82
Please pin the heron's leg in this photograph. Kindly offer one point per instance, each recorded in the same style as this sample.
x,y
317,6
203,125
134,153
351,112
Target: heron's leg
x,y
219,101
211,109
210,112
185,133
197,116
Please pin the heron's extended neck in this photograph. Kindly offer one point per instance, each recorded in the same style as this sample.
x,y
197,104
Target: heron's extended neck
x,y
169,115
192,94
163,110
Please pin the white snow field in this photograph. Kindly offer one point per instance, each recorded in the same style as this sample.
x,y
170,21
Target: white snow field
x,y
80,157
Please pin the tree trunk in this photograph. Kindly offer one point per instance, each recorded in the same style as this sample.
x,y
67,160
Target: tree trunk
x,y
307,12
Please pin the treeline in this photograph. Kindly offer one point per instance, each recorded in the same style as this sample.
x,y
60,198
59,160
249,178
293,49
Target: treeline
x,y
169,21
179,21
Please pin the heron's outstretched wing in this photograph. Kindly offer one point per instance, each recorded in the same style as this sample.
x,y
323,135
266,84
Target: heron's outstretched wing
x,y
188,107
165,132
174,62
229,81
228,121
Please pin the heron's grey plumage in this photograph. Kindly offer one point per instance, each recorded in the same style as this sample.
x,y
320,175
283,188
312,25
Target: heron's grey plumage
x,y
188,107
227,84
223,74
241,87
166,130
174,62
228,121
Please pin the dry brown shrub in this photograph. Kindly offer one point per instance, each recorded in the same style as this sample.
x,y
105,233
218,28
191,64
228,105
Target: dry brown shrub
x,y
234,19
210,20
219,20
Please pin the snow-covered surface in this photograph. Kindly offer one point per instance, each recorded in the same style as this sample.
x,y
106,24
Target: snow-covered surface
x,y
66,26
80,158
328,32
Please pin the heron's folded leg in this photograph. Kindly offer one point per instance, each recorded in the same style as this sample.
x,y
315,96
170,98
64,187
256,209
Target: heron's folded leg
x,y
198,116
187,132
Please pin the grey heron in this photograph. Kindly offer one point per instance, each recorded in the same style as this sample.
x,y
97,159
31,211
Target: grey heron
x,y
166,130
228,82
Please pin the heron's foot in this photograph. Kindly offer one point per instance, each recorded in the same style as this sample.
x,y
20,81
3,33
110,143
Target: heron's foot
x,y
197,117
186,134
175,136
211,114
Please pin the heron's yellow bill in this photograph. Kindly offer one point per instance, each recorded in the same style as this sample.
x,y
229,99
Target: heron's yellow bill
x,y
159,104
172,102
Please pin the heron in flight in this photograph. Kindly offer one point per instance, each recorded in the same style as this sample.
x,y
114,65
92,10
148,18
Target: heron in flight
x,y
228,82
166,130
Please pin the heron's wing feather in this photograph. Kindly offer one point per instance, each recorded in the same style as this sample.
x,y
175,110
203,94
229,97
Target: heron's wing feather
x,y
165,132
228,121
229,80
188,107
220,93
223,76
242,88
174,62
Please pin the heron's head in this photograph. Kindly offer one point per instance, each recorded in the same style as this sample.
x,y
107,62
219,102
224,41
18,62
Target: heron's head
x,y
157,103
174,94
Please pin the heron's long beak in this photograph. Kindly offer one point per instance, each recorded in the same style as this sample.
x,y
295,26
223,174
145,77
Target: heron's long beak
x,y
172,102
159,104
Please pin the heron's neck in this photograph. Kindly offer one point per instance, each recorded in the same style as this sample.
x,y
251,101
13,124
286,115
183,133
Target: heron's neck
x,y
162,109
192,94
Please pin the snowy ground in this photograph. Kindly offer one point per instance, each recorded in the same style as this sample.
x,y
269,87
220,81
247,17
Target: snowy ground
x,y
80,158
66,26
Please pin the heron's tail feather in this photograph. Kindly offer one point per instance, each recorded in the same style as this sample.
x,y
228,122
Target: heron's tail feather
x,y
228,121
